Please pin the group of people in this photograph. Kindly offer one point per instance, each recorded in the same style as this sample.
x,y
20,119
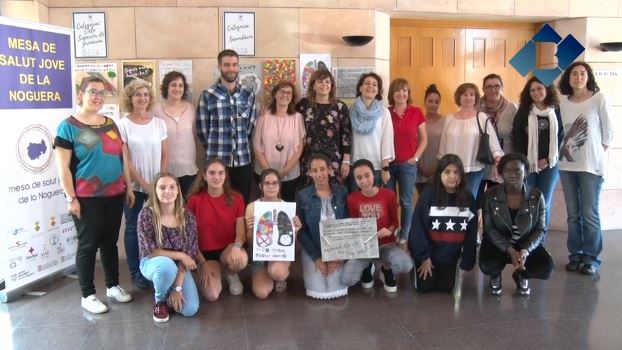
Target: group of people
x,y
185,228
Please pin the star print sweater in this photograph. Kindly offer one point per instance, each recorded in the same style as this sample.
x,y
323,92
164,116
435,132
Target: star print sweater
x,y
443,234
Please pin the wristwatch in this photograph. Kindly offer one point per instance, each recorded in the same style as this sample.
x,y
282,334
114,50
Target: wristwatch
x,y
385,168
70,199
177,289
238,245
416,159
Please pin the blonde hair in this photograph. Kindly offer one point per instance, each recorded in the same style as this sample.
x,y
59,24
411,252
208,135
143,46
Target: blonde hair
x,y
131,89
154,204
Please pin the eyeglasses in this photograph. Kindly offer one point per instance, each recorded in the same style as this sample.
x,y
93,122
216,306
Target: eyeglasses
x,y
270,183
285,92
492,87
95,92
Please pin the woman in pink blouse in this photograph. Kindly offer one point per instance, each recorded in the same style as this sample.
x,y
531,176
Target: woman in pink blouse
x,y
169,249
278,139
179,116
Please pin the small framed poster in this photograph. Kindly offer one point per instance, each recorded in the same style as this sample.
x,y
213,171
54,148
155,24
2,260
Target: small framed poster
x,y
239,32
90,34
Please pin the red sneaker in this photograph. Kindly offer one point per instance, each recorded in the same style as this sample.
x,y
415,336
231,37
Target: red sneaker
x,y
160,312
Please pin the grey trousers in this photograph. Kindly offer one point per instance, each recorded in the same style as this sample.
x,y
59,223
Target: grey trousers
x,y
390,254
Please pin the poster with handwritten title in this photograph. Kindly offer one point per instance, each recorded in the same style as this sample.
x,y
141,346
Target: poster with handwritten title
x,y
144,70
90,34
349,239
239,32
274,236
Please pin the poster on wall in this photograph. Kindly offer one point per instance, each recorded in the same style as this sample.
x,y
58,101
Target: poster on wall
x,y
273,231
38,238
249,76
139,70
90,34
182,66
277,70
239,32
309,63
107,71
346,79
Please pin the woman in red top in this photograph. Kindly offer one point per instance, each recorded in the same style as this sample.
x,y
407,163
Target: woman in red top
x,y
220,219
410,138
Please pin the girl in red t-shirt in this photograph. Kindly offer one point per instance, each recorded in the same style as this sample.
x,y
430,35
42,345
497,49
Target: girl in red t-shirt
x,y
220,219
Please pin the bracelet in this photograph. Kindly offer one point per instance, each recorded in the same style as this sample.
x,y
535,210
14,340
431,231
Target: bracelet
x,y
347,162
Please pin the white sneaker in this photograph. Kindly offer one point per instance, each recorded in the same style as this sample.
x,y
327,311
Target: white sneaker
x,y
119,294
235,285
93,305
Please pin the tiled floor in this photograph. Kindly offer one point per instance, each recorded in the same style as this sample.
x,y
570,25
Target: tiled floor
x,y
570,311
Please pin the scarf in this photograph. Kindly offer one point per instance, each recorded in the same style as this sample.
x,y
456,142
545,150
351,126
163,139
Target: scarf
x,y
363,119
532,135
493,112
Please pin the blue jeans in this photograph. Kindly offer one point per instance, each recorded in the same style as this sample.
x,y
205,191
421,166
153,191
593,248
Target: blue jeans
x,y
545,181
405,175
582,194
131,235
162,271
473,179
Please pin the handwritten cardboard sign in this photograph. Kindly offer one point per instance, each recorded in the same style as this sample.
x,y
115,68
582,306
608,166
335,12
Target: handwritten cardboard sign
x,y
239,32
349,239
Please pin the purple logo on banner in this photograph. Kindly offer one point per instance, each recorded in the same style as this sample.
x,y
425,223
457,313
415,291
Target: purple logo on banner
x,y
35,69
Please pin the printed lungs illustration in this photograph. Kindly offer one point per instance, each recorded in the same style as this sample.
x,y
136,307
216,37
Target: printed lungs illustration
x,y
265,226
286,229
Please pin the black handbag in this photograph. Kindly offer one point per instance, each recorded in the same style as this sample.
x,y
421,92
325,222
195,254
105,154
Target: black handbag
x,y
483,150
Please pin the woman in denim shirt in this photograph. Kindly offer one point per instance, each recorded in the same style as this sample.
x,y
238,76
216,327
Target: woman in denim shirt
x,y
320,201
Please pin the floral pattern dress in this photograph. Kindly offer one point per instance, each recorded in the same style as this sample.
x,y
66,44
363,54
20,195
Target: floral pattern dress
x,y
328,131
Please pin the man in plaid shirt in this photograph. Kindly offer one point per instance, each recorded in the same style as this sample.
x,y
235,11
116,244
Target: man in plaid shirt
x,y
225,119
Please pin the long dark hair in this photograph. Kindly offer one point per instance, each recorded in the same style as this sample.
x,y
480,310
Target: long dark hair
x,y
321,74
564,81
519,125
440,194
200,185
362,80
264,174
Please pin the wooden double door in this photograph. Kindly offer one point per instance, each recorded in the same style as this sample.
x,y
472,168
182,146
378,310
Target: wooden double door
x,y
451,53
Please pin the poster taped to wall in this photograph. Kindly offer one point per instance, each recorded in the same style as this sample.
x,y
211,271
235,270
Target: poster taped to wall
x,y
309,63
107,71
274,236
346,79
239,32
249,76
144,70
275,71
182,66
90,34
349,239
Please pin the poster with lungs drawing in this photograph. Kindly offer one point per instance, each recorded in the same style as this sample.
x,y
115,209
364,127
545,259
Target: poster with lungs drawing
x,y
309,63
274,236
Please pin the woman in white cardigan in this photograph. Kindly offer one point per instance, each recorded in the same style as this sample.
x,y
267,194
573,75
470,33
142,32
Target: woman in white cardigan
x,y
372,129
460,135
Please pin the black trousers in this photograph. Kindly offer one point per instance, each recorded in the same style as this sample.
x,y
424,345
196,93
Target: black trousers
x,y
443,278
241,178
98,228
492,261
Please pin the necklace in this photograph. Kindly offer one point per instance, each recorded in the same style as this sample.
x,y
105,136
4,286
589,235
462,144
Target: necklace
x,y
279,146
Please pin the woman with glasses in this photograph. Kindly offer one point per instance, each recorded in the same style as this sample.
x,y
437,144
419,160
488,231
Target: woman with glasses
x,y
144,141
95,177
514,229
278,139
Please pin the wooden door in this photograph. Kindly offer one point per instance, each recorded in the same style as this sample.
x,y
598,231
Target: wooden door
x,y
489,51
428,55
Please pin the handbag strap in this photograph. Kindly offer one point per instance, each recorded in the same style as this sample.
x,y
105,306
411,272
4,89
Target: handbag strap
x,y
482,132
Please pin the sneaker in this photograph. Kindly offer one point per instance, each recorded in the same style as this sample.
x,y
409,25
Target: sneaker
x,y
141,282
573,266
160,312
235,285
522,284
588,269
93,305
280,286
495,285
388,280
367,279
119,294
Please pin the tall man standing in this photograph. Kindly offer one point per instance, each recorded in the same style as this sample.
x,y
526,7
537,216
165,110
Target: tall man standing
x,y
225,119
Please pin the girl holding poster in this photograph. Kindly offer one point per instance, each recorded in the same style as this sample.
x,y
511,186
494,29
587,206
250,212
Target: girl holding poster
x,y
220,219
378,203
444,229
273,274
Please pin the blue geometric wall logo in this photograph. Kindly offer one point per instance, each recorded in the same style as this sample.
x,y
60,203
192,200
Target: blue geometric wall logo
x,y
567,51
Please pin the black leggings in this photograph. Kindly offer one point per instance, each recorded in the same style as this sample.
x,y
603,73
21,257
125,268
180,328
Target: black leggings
x,y
492,261
443,278
241,179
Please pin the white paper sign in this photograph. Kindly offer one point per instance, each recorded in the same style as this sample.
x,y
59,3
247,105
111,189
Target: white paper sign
x,y
90,34
182,66
239,32
311,62
349,239
274,236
